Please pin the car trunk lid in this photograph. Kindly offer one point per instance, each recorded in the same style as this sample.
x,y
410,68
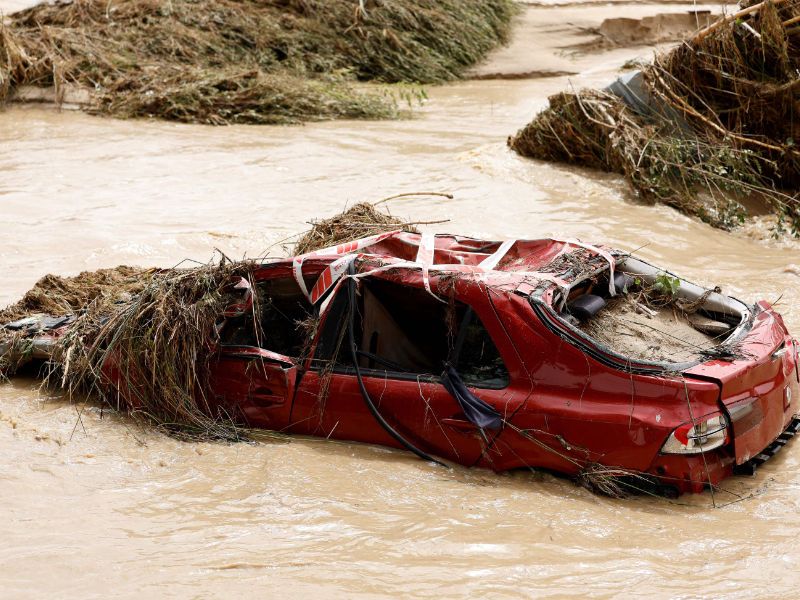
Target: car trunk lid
x,y
759,388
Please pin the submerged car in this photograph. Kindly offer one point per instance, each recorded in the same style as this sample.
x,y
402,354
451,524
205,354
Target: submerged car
x,y
546,354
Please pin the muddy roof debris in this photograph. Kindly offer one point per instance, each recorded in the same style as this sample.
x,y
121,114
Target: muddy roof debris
x,y
710,128
59,296
226,61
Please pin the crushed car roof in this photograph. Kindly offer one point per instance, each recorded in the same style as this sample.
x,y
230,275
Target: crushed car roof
x,y
528,266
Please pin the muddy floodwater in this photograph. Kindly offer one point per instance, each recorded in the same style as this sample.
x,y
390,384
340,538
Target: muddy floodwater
x,y
93,506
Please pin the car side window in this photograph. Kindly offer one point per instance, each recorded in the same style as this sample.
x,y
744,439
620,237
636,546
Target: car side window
x,y
403,331
281,310
479,362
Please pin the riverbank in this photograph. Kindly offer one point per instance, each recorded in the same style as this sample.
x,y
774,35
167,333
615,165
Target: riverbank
x,y
220,62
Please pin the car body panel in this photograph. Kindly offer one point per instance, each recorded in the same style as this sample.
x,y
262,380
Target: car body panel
x,y
603,414
255,385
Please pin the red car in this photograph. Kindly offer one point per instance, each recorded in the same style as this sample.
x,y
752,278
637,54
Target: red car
x,y
474,351
510,355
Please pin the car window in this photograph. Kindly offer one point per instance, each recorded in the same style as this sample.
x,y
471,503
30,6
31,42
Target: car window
x,y
282,309
404,331
479,362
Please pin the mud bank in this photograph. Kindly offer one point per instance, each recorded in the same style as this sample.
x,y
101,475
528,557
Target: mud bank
x,y
660,28
552,40
227,62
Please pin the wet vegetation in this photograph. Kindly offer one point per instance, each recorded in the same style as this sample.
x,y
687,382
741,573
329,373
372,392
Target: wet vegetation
x,y
142,340
359,221
717,130
229,61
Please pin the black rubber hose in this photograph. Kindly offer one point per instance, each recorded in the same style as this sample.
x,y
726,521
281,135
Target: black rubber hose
x,y
364,393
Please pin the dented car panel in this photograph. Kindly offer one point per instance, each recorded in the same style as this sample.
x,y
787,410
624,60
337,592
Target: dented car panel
x,y
600,413
759,392
257,384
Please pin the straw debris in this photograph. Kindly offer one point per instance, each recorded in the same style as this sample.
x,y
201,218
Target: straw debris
x,y
60,296
613,482
151,355
718,131
143,340
359,221
234,61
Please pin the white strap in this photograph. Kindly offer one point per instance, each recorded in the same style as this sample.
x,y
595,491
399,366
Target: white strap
x,y
297,268
345,248
600,252
425,256
490,262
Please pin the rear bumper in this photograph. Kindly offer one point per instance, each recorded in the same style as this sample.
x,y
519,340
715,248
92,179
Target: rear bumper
x,y
749,467
693,474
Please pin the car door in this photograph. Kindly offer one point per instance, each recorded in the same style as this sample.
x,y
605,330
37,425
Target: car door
x,y
404,341
254,377
254,386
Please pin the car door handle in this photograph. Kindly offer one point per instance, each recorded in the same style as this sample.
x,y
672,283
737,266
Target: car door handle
x,y
265,397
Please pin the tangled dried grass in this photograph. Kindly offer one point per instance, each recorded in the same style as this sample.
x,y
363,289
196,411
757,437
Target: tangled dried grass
x,y
151,356
233,61
719,131
142,341
613,482
359,221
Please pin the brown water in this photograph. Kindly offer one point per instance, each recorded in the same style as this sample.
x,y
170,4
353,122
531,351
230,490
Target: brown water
x,y
92,507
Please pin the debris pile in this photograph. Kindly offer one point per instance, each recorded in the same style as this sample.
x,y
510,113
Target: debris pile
x,y
159,344
59,296
155,328
633,329
654,322
710,128
233,61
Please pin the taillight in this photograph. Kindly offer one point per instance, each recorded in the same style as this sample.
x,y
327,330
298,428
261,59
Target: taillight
x,y
796,359
703,435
